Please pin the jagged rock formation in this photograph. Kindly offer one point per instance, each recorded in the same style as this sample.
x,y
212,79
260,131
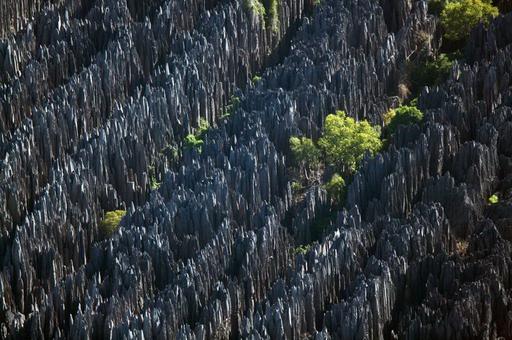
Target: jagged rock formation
x,y
96,98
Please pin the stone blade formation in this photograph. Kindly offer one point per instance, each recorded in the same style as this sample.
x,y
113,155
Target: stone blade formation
x,y
256,169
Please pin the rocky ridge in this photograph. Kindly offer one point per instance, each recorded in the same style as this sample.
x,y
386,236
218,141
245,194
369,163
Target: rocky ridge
x,y
417,252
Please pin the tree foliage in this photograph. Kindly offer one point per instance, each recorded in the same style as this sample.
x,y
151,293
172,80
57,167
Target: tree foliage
x,y
193,142
404,115
336,188
460,16
493,199
305,152
431,72
346,141
111,222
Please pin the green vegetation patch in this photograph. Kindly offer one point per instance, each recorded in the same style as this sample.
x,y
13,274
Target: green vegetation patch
x,y
111,221
193,142
431,72
404,115
460,16
302,249
345,141
336,189
256,8
494,199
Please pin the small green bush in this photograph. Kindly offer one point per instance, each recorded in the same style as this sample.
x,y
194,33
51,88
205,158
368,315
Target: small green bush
x,y
346,141
305,152
193,142
203,127
404,115
256,79
111,221
256,8
494,199
234,102
154,184
336,189
302,249
458,17
273,15
296,186
431,72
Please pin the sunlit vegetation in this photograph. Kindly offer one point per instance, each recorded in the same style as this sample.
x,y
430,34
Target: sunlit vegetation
x,y
403,115
305,153
256,8
335,188
302,249
460,16
111,221
346,141
493,199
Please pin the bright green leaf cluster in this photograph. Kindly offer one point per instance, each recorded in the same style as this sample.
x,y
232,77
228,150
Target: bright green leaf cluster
x,y
111,221
193,142
204,126
404,115
155,185
302,250
256,7
336,188
234,102
305,152
460,16
494,199
273,15
345,141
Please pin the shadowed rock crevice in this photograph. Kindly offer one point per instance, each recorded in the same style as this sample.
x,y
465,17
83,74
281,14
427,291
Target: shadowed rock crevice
x,y
208,246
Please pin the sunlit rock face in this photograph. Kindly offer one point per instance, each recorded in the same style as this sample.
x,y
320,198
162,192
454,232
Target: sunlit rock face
x,y
96,99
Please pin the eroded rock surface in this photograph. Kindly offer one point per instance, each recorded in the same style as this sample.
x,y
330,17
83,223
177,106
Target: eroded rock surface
x,y
96,98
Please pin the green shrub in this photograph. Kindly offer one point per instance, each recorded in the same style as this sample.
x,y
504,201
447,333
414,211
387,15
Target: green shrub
x,y
256,79
404,115
460,16
154,184
234,102
296,186
302,249
111,221
203,127
193,142
494,199
336,188
305,152
431,72
346,141
256,8
273,15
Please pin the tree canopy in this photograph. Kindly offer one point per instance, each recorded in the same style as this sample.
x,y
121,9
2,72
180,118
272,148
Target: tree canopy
x,y
404,115
460,16
305,152
345,141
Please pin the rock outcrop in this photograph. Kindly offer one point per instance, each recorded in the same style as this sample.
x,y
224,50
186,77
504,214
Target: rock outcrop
x,y
96,98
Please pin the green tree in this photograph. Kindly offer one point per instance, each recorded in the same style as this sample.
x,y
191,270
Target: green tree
x,y
193,142
460,16
431,72
336,188
494,199
111,221
404,115
305,153
346,141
